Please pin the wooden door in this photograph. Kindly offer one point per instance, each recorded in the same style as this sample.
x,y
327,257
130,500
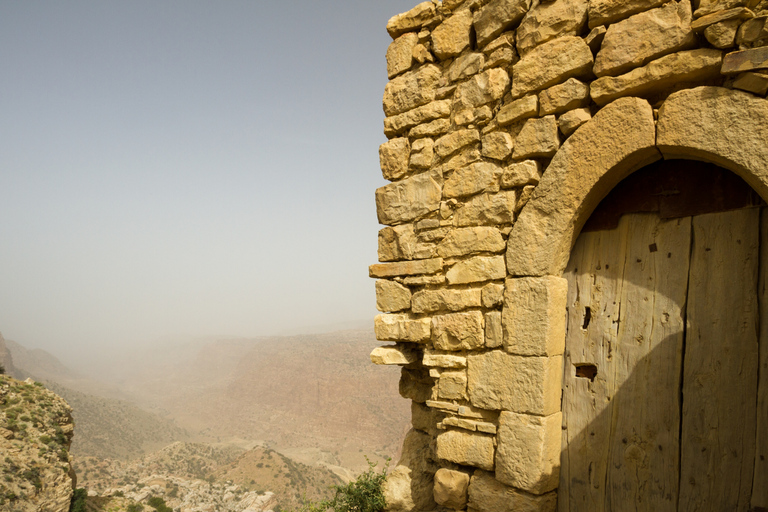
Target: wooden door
x,y
661,407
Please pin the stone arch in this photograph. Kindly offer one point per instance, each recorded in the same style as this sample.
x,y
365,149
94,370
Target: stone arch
x,y
722,126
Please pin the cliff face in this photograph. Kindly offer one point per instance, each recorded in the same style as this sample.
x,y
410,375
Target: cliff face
x,y
35,434
6,361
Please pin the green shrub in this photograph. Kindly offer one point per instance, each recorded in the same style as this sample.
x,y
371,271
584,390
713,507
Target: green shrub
x,y
362,495
159,504
78,500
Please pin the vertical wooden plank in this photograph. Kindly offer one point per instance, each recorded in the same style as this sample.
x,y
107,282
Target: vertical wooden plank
x,y
760,479
720,364
621,429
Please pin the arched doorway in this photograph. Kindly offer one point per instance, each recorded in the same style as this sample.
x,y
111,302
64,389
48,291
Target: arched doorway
x,y
661,361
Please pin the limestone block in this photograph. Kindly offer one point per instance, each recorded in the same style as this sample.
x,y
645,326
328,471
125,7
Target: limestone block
x,y
454,141
400,54
602,12
452,36
424,280
492,294
400,243
498,380
406,268
467,181
417,385
421,54
723,34
528,456
711,6
397,124
551,63
646,36
538,138
751,30
422,417
487,209
566,96
472,116
465,66
745,60
402,327
752,82
393,157
422,154
446,299
551,20
570,121
408,486
595,38
451,488
534,315
409,199
431,129
497,145
525,196
440,359
483,88
465,448
477,269
496,16
505,40
739,13
421,15
461,159
392,296
395,355
519,174
660,74
502,58
486,494
493,330
411,90
458,331
523,108
452,385
464,241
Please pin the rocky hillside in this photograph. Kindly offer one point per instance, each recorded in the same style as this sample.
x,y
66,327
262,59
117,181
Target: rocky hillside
x,y
35,435
6,359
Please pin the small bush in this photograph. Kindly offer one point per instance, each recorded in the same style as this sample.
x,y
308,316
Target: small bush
x,y
362,495
78,500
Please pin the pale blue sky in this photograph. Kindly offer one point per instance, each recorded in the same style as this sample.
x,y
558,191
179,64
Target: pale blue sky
x,y
174,168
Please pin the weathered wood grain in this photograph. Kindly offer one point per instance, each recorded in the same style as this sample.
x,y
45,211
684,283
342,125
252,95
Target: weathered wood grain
x,y
760,479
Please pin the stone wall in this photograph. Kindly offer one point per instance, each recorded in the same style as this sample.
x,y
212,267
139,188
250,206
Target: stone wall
x,y
508,121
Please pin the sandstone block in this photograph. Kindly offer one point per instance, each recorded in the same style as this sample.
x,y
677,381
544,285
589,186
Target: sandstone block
x,y
486,494
446,299
523,108
422,417
400,243
498,380
566,96
400,54
406,268
534,319
745,60
751,30
538,138
454,141
646,36
409,485
431,129
738,13
451,488
393,157
723,34
497,145
752,82
422,154
451,37
402,327
602,12
519,174
409,199
395,125
471,116
488,209
461,159
439,359
458,331
570,121
394,355
551,63
417,385
711,6
467,181
424,280
392,296
477,269
483,88
452,385
502,58
551,20
466,448
465,66
464,241
423,14
493,330
660,74
492,295
497,16
411,90
595,38
528,456
422,55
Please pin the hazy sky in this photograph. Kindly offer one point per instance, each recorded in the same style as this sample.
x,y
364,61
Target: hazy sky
x,y
174,168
